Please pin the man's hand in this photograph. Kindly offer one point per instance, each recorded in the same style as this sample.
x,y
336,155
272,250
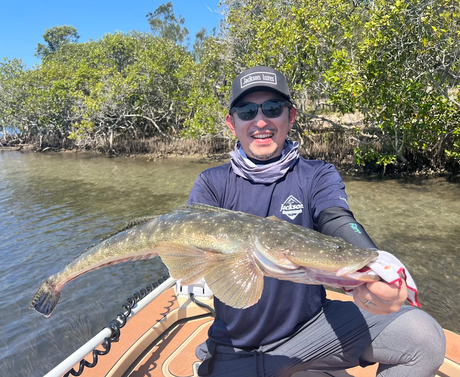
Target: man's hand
x,y
380,297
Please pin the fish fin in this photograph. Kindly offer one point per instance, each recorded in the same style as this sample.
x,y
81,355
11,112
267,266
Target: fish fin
x,y
237,281
186,263
128,225
204,208
234,278
274,218
138,221
46,298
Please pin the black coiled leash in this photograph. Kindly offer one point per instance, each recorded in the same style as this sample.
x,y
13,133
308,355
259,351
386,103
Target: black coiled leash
x,y
115,327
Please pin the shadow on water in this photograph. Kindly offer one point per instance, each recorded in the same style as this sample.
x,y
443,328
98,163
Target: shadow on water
x,y
54,206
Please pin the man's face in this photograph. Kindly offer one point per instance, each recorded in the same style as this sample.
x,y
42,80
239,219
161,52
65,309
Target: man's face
x,y
262,138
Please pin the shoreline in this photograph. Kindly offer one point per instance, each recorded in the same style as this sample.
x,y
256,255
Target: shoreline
x,y
346,168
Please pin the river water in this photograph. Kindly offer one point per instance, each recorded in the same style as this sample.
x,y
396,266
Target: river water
x,y
53,206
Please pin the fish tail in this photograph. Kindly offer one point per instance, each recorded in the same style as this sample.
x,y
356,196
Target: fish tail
x,y
46,298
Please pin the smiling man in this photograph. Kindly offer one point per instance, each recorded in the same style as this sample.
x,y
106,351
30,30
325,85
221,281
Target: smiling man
x,y
294,327
262,137
261,133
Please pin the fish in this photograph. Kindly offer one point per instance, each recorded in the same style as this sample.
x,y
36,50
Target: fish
x,y
233,251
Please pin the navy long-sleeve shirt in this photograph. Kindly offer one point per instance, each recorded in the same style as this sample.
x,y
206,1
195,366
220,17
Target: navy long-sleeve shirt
x,y
308,189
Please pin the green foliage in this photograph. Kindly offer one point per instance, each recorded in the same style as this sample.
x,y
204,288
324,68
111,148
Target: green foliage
x,y
363,157
10,74
396,62
55,38
209,91
123,85
198,49
409,90
299,38
165,24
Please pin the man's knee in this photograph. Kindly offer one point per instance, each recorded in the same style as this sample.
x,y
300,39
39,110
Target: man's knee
x,y
413,340
426,335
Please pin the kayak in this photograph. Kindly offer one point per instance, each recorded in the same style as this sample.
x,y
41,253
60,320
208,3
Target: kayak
x,y
159,334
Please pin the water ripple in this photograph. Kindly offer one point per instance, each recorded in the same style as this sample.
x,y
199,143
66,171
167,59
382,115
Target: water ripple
x,y
54,206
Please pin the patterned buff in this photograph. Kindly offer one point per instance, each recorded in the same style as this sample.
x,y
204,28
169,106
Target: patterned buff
x,y
267,173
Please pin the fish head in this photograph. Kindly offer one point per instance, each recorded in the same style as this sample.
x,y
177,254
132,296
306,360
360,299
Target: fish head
x,y
292,246
310,262
339,257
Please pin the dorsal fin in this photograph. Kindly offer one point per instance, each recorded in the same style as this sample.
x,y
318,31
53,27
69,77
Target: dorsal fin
x,y
204,208
131,224
128,225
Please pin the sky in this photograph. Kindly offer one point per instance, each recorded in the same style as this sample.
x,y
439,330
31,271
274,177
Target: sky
x,y
23,22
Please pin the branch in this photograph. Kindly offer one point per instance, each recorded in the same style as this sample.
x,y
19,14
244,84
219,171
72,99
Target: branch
x,y
149,119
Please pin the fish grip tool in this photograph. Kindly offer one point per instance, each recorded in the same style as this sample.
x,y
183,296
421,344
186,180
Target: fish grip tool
x,y
115,326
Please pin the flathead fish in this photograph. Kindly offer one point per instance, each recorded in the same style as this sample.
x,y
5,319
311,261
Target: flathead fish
x,y
231,250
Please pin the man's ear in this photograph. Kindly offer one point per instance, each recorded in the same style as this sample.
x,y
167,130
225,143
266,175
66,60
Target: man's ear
x,y
292,117
230,124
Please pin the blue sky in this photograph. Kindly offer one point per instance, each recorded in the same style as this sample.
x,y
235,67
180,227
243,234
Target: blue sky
x,y
23,22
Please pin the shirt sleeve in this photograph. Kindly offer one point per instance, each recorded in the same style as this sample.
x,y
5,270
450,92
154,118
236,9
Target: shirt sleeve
x,y
339,222
328,190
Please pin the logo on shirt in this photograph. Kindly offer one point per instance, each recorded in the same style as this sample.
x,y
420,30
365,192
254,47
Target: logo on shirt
x,y
291,207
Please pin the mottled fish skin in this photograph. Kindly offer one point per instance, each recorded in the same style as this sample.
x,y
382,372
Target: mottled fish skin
x,y
232,250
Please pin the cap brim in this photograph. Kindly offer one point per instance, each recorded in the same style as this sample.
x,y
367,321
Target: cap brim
x,y
258,89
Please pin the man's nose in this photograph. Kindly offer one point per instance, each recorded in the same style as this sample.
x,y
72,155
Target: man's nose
x,y
260,120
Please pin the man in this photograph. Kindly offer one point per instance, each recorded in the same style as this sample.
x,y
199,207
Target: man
x,y
294,327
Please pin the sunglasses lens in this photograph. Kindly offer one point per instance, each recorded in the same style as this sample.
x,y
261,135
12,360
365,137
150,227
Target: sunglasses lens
x,y
273,109
247,111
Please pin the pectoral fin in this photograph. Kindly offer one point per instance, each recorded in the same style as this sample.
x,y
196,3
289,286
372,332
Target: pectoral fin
x,y
186,263
234,278
238,282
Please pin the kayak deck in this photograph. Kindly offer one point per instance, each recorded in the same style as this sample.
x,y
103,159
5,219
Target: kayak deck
x,y
161,340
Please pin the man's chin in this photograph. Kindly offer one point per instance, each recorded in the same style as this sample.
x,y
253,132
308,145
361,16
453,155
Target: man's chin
x,y
263,155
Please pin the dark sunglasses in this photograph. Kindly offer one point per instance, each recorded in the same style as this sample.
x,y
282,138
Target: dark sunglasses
x,y
272,108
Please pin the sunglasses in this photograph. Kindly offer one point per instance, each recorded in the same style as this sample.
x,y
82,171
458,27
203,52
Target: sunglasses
x,y
272,108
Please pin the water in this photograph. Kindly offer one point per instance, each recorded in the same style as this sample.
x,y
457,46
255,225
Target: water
x,y
53,206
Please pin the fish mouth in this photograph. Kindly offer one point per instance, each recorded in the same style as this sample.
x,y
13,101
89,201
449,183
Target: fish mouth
x,y
355,267
271,265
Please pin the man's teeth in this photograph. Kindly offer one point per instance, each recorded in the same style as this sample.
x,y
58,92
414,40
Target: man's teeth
x,y
262,136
